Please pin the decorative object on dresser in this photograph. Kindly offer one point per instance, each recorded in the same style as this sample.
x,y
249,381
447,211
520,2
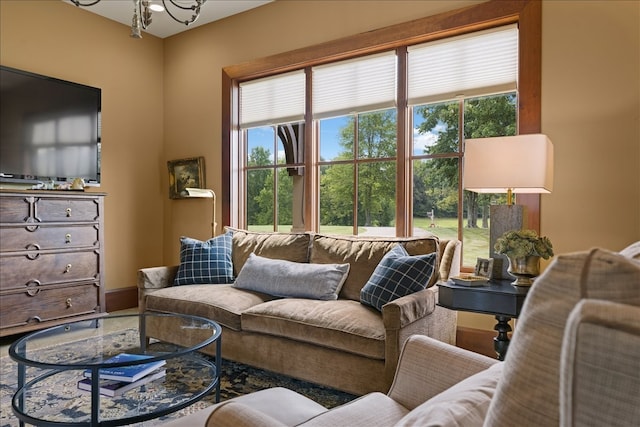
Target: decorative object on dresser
x,y
51,258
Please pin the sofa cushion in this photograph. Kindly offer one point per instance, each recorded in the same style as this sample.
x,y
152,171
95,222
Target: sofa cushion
x,y
364,255
205,262
533,361
398,274
464,404
222,303
343,324
288,246
283,278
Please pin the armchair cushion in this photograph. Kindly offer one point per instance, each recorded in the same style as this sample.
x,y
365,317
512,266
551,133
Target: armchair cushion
x,y
205,262
374,409
264,408
283,278
397,275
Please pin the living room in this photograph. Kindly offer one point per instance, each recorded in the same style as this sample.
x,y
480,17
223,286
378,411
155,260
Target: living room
x,y
162,100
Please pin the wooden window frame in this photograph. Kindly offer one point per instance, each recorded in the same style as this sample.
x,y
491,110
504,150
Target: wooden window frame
x,y
526,13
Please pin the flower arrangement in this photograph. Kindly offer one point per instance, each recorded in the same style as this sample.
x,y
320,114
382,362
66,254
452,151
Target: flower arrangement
x,y
522,243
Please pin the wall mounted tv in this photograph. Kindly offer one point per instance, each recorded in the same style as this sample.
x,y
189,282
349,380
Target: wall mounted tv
x,y
49,129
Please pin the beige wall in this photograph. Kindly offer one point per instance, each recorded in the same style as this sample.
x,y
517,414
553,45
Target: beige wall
x,y
63,41
590,109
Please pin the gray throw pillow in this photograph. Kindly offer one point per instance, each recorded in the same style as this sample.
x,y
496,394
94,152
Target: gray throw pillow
x,y
292,279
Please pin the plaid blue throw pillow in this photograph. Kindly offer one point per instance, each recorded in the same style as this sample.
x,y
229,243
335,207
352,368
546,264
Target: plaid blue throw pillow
x,y
398,274
205,262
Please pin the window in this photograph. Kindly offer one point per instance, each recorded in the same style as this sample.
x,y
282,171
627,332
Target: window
x,y
412,150
436,158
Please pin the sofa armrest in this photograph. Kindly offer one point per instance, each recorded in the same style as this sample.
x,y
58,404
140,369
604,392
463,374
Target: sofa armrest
x,y
450,252
153,278
407,309
428,367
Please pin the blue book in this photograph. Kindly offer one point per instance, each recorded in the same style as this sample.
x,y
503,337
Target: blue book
x,y
127,373
113,388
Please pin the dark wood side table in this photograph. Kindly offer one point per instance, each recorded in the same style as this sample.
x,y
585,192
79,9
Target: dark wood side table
x,y
497,297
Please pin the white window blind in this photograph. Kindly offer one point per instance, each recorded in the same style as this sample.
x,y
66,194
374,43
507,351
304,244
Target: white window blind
x,y
478,63
362,84
277,99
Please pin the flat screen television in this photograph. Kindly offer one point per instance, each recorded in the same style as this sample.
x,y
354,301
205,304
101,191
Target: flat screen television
x,y
49,129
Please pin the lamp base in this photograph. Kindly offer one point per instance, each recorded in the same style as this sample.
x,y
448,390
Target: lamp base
x,y
503,218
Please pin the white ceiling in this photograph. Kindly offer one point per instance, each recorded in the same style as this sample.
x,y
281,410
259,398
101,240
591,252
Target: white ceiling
x,y
162,24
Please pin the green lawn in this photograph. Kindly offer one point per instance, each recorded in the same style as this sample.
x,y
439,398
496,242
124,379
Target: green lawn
x,y
476,240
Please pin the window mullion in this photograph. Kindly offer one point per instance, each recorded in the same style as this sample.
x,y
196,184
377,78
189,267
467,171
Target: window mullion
x,y
403,147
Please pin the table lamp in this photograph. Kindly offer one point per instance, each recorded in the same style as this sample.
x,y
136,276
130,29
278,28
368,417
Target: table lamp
x,y
512,165
209,194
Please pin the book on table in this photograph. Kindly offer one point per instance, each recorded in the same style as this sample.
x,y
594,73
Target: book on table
x,y
127,373
112,388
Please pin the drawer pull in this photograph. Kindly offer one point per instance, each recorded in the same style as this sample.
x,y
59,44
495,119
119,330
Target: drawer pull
x,y
68,212
33,288
34,319
32,247
68,302
67,268
67,238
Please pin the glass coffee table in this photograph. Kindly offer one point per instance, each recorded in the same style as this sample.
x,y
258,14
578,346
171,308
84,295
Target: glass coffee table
x,y
52,361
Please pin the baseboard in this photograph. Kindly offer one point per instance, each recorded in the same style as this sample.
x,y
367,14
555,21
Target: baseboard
x,y
476,340
121,299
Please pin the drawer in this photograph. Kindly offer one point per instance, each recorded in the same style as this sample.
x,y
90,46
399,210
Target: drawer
x,y
19,270
60,209
47,303
14,209
43,237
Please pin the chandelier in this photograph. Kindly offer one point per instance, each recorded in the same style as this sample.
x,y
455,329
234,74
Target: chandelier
x,y
142,10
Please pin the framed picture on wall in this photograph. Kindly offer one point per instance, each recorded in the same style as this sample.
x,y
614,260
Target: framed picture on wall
x,y
484,267
183,174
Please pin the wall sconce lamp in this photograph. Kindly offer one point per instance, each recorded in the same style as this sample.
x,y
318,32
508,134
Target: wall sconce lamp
x,y
208,194
512,165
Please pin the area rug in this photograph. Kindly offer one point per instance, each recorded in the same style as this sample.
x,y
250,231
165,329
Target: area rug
x,y
236,379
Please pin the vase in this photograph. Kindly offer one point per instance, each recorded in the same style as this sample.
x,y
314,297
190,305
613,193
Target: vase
x,y
524,269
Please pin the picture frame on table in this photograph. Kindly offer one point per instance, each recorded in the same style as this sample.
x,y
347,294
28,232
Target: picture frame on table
x,y
484,267
183,174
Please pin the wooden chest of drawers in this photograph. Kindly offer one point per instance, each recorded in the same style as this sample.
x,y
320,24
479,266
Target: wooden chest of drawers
x,y
51,258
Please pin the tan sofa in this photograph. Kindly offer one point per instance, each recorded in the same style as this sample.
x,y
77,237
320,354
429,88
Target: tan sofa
x,y
574,361
340,343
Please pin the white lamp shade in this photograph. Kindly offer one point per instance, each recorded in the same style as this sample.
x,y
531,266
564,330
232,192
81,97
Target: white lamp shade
x,y
522,163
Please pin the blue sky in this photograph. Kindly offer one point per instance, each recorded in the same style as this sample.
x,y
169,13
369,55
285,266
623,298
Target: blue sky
x,y
330,137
